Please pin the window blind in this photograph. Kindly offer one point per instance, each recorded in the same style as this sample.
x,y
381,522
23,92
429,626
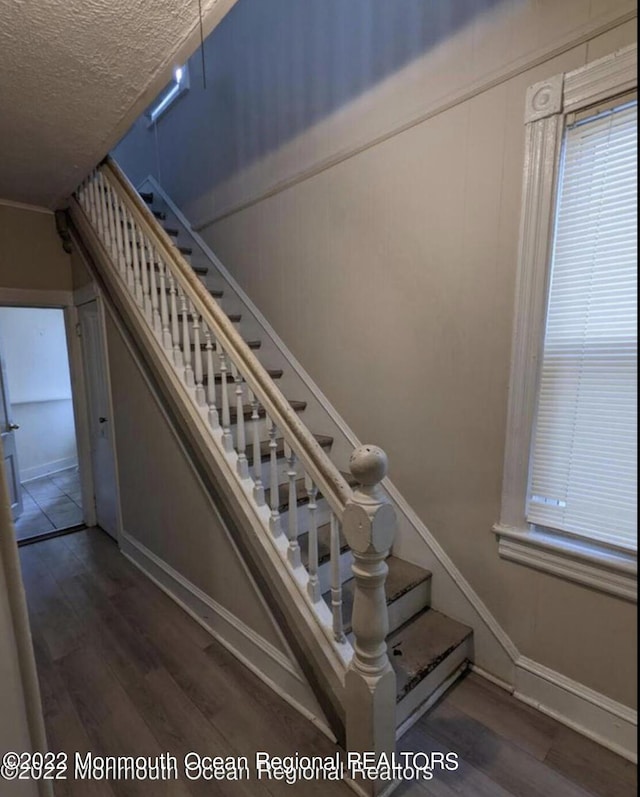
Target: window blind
x,y
583,470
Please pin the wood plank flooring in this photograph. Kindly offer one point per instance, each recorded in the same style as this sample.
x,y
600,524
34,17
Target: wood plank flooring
x,y
124,671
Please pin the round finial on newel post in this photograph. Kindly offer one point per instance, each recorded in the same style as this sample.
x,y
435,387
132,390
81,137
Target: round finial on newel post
x,y
368,465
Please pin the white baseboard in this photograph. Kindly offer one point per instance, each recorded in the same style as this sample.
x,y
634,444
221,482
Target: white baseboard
x,y
47,469
256,653
607,722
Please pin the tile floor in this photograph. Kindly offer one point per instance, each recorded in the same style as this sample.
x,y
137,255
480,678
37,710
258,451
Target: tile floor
x,y
49,503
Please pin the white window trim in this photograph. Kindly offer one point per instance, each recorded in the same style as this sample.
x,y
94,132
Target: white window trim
x,y
548,103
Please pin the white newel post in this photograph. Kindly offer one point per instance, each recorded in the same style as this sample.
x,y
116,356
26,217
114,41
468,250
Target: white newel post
x,y
369,525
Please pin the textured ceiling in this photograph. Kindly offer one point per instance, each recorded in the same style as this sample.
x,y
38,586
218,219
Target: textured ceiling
x,y
74,74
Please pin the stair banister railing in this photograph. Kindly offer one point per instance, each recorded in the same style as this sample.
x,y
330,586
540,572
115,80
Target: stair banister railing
x,y
187,318
332,484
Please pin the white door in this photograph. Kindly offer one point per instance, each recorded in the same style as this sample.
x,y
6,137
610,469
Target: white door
x,y
7,434
100,433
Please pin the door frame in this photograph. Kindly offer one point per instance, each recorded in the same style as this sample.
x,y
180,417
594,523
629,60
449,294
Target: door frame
x,y
89,293
67,301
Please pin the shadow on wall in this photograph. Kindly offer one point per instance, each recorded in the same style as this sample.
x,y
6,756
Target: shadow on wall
x,y
274,69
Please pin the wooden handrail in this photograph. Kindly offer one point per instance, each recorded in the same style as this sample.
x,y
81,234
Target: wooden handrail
x,y
332,484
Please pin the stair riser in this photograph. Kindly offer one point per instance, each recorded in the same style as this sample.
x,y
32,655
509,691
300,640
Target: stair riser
x,y
422,691
406,606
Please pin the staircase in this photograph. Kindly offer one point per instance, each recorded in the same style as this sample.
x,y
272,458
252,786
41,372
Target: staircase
x,y
301,490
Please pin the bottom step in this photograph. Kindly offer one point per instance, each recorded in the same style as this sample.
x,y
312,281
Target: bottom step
x,y
424,653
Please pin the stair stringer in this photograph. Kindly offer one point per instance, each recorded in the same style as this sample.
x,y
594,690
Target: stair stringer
x,y
452,594
322,662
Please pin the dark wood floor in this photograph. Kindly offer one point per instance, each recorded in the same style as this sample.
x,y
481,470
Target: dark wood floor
x,y
124,671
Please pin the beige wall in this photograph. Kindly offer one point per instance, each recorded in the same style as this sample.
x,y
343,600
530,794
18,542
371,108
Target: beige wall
x,y
390,273
31,254
79,273
164,505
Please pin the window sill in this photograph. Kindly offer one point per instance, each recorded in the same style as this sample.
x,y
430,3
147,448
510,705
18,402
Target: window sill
x,y
614,572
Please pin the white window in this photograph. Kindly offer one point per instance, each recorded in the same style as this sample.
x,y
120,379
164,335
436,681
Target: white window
x,y
176,88
569,492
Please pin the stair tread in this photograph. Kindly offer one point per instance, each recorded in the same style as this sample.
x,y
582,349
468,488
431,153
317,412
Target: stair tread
x,y
274,373
233,317
202,270
185,250
172,232
402,577
247,410
252,344
301,493
147,196
265,452
159,215
420,645
217,294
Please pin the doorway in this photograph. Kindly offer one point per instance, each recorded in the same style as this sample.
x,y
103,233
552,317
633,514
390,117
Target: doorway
x,y
36,411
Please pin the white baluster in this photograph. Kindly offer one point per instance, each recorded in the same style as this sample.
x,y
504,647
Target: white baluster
x,y
313,585
175,328
113,250
112,223
128,241
118,212
336,583
293,552
258,488
138,265
274,493
95,209
164,310
133,269
186,340
214,421
103,196
81,194
241,439
95,204
153,290
227,439
146,263
197,357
